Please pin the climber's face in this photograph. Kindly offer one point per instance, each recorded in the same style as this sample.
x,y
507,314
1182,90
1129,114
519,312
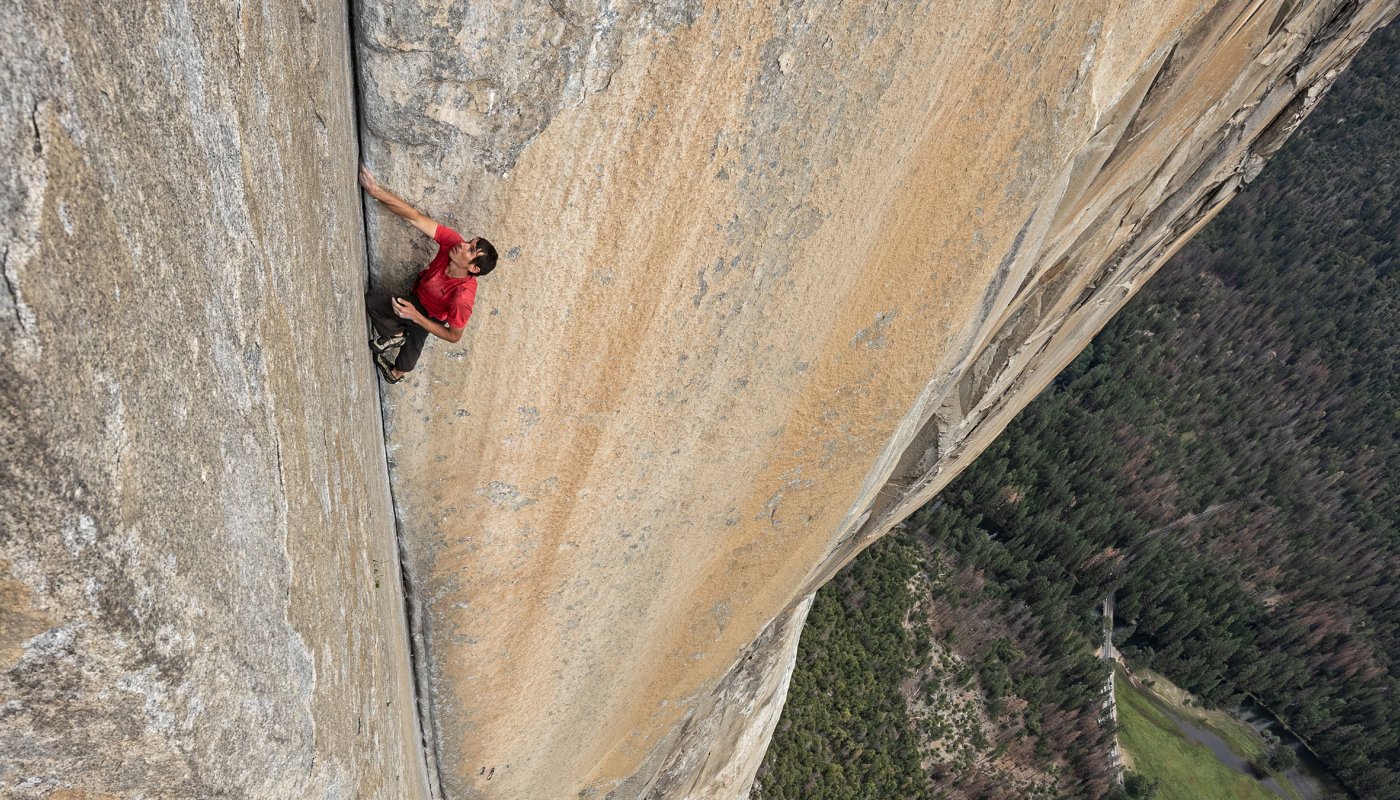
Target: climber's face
x,y
461,256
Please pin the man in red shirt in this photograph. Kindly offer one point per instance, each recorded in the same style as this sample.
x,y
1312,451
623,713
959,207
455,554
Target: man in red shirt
x,y
443,293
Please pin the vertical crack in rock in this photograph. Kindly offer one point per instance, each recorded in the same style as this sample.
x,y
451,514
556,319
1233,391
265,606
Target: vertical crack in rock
x,y
10,285
417,642
38,135
351,17
413,616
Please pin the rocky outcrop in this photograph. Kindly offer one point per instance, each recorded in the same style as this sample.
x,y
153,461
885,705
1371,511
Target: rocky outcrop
x,y
199,593
773,275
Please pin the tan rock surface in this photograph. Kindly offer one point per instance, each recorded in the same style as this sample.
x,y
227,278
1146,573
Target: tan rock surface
x,y
773,275
198,585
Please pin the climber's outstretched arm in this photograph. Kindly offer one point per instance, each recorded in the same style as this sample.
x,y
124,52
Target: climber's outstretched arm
x,y
416,218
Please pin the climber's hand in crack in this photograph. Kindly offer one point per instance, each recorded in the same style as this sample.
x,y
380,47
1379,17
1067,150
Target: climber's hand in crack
x,y
367,180
396,204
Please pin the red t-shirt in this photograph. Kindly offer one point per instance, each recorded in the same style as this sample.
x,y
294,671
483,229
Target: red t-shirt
x,y
446,298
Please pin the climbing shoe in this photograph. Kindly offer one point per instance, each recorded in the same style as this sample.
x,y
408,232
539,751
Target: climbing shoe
x,y
386,368
383,344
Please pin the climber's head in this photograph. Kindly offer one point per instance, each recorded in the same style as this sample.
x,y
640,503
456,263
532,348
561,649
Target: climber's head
x,y
474,256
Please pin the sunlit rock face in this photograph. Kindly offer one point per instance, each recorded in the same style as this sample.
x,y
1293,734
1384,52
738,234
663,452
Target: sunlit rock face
x,y
772,274
198,585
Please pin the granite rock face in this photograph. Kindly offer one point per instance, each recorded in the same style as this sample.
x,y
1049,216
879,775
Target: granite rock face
x,y
199,593
773,274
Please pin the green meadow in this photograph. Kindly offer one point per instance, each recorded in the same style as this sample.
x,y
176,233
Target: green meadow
x,y
1184,770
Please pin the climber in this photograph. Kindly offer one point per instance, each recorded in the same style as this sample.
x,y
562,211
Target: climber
x,y
443,292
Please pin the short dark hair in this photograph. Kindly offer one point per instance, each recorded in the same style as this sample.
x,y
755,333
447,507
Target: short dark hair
x,y
486,259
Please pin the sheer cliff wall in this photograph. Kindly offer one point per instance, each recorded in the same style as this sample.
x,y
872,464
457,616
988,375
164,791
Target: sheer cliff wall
x,y
198,582
772,274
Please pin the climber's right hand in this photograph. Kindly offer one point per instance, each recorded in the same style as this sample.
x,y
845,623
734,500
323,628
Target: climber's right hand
x,y
367,180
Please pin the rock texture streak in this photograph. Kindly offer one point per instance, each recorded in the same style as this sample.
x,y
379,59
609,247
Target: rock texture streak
x,y
199,595
773,274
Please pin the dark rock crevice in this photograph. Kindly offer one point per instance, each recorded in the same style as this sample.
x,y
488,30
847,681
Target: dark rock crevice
x,y
413,617
10,286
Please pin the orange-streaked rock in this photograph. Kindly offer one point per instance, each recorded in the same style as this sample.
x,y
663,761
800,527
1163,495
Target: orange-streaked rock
x,y
772,276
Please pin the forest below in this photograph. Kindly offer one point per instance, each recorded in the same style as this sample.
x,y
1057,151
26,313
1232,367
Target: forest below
x,y
1222,457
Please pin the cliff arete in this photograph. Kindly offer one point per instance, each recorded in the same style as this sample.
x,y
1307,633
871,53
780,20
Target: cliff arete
x,y
771,275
